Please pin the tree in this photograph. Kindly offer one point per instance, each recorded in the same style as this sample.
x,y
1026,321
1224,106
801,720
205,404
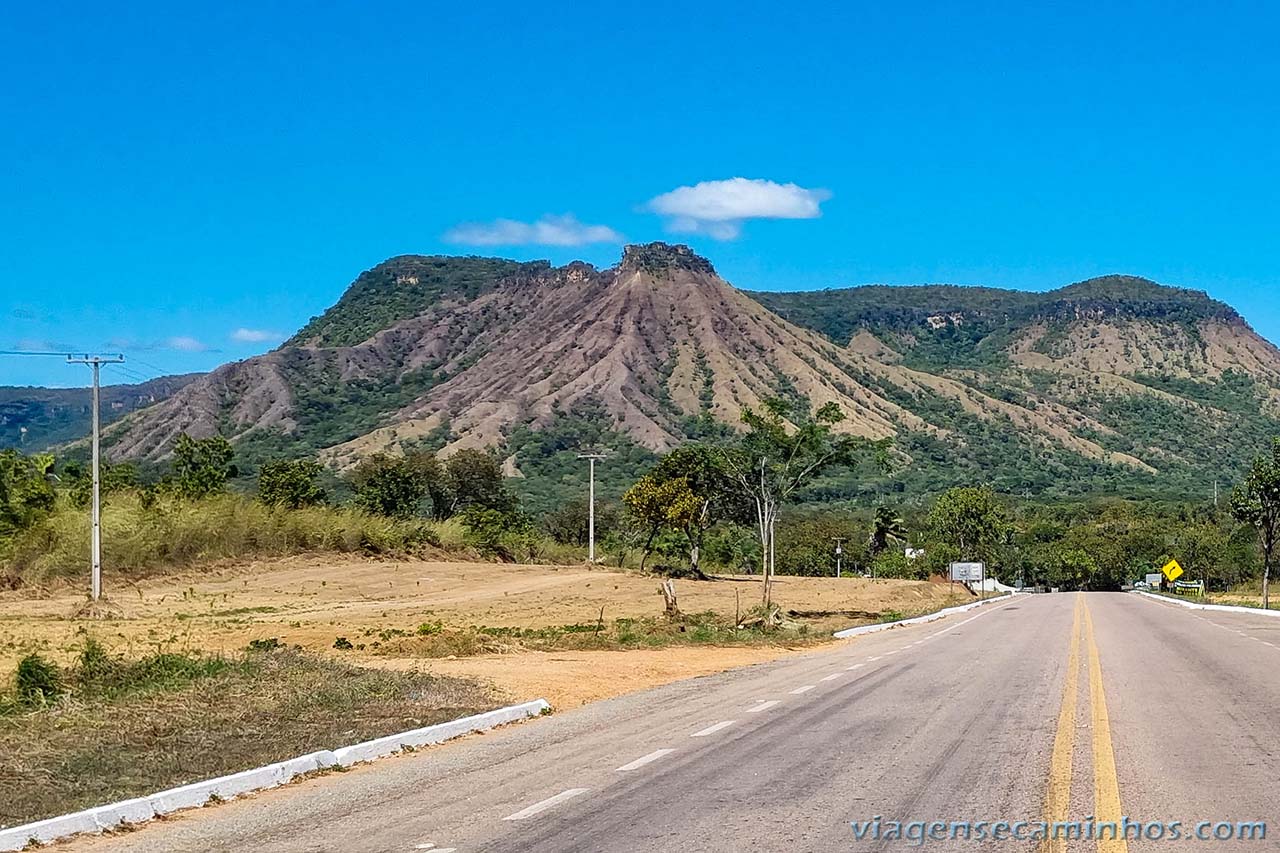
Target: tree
x,y
887,526
706,496
1201,549
290,483
784,450
394,486
202,466
568,524
475,478
658,504
1256,502
112,478
970,519
26,493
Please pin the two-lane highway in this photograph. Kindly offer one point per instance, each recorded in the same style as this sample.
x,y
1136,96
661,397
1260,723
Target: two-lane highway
x,y
1064,707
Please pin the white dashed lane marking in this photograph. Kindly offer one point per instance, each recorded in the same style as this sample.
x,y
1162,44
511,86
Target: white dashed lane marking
x,y
800,690
855,666
832,677
764,706
645,759
710,730
549,802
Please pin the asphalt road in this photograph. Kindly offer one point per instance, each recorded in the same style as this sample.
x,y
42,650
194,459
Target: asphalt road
x,y
1043,708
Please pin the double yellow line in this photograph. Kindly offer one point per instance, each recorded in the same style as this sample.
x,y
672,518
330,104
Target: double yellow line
x,y
1106,785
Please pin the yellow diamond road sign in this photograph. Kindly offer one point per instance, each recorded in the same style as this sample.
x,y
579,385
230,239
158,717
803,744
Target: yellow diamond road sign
x,y
1172,570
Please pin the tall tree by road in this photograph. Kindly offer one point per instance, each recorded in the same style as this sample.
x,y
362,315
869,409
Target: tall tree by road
x,y
970,519
887,527
1256,501
782,451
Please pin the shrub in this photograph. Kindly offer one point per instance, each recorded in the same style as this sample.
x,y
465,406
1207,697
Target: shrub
x,y
290,484
37,680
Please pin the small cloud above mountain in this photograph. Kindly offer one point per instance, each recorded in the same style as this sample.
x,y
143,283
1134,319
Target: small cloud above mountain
x,y
256,336
550,230
718,208
183,343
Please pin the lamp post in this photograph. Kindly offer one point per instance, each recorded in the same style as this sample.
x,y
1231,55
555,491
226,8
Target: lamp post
x,y
839,552
591,458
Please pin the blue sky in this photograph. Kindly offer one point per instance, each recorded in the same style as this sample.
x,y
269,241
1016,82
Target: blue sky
x,y
175,174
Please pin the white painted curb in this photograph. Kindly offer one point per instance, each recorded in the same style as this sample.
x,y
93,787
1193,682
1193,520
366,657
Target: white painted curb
x,y
1225,608
371,749
917,620
198,794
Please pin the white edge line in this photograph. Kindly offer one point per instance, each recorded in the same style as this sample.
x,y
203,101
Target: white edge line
x,y
537,808
919,620
644,759
141,809
710,730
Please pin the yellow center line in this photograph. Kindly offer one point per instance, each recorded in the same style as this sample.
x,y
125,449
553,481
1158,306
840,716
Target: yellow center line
x,y
1106,785
1058,796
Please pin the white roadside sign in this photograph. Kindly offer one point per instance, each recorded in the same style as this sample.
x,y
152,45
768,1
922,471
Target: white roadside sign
x,y
967,571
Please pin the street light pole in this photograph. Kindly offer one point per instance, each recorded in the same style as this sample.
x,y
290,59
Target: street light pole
x,y
839,552
95,544
591,458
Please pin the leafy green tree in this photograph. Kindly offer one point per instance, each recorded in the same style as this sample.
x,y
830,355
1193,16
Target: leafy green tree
x,y
26,490
475,478
1256,502
970,519
707,496
292,484
113,478
202,466
568,523
493,532
806,543
783,450
658,504
887,527
1201,549
394,486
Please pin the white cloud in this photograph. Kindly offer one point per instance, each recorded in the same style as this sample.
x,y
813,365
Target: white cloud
x,y
186,344
548,231
718,208
255,336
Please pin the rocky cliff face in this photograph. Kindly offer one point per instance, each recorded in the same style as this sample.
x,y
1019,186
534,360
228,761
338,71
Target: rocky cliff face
x,y
450,352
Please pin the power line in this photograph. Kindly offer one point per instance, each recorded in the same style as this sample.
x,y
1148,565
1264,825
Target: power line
x,y
34,352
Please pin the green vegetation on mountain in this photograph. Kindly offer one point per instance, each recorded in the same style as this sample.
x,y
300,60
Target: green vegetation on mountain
x,y
405,287
985,311
38,418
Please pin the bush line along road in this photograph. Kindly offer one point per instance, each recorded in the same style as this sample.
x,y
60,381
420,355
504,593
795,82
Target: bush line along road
x,y
1041,707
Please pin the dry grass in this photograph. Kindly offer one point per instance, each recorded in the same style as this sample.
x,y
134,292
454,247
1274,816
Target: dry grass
x,y
139,541
251,711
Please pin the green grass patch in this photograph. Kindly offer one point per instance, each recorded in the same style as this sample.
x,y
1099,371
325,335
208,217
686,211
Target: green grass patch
x,y
113,728
701,629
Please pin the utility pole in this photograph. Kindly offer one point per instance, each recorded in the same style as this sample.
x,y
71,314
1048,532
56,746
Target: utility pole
x,y
96,362
839,552
591,458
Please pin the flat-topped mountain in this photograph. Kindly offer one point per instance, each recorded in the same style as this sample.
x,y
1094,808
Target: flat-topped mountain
x,y
1115,380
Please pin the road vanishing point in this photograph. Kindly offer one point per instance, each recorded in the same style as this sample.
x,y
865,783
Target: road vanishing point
x,y
1038,708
